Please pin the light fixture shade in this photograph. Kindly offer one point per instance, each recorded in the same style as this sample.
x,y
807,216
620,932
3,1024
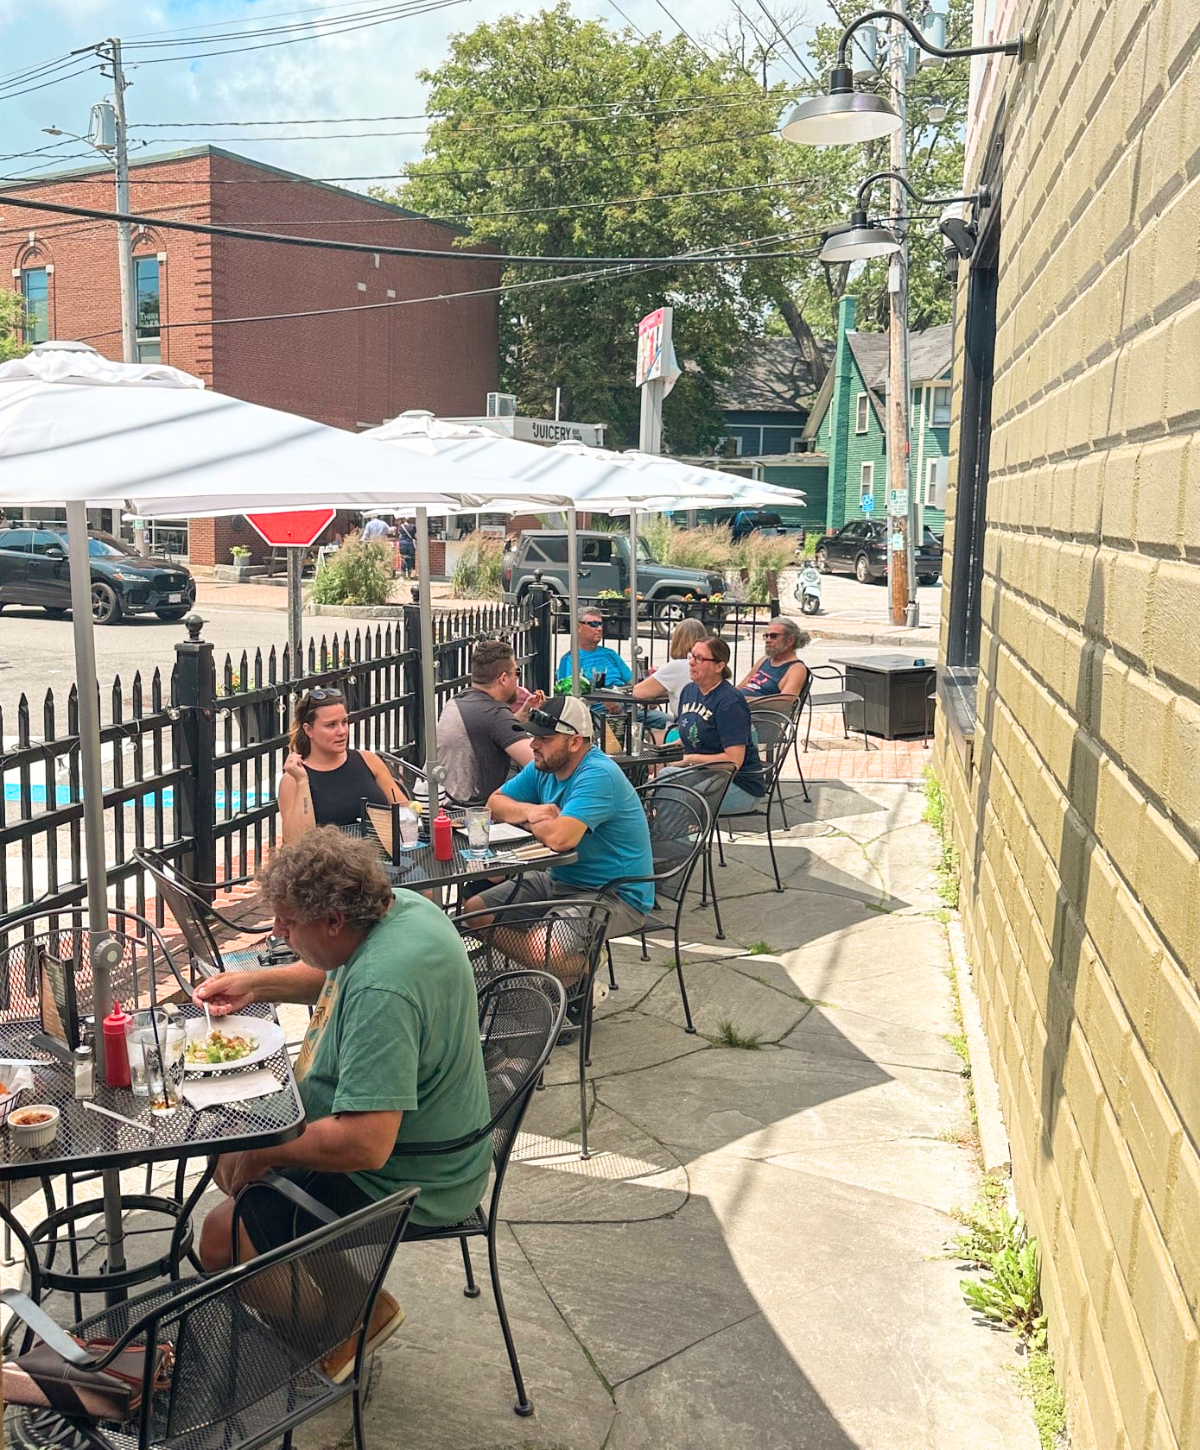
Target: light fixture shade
x,y
858,244
840,119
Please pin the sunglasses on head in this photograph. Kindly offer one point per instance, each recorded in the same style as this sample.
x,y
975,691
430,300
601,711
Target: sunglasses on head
x,y
321,694
551,722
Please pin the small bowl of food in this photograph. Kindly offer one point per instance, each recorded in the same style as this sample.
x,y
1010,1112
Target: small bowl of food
x,y
34,1126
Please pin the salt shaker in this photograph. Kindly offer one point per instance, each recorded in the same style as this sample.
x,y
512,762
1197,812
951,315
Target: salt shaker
x,y
85,1073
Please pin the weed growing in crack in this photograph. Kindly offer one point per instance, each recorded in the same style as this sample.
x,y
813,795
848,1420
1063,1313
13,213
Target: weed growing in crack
x,y
937,814
730,1036
761,949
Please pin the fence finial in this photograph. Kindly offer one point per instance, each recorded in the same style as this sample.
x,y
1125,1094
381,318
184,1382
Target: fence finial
x,y
194,625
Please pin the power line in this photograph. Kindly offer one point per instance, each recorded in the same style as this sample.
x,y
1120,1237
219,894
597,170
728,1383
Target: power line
x,y
683,32
11,95
779,32
272,15
763,41
483,171
502,288
325,244
627,20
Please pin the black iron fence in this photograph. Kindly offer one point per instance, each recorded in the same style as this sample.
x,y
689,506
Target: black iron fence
x,y
191,764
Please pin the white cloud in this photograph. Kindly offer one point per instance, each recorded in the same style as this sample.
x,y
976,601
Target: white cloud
x,y
365,72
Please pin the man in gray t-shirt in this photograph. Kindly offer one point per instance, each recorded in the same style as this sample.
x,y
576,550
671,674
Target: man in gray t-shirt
x,y
481,739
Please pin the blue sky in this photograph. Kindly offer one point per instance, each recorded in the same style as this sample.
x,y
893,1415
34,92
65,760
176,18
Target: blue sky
x,y
366,72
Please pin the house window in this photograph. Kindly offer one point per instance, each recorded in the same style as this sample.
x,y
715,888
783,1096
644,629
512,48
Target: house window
x,y
941,408
932,474
862,414
146,281
35,289
866,482
796,445
730,446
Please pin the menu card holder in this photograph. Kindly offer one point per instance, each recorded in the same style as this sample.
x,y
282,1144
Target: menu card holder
x,y
59,1009
384,822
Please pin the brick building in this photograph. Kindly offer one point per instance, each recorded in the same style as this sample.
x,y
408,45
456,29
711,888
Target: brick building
x,y
351,369
1069,738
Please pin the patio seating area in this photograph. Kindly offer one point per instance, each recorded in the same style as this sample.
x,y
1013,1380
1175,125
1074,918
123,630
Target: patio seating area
x,y
754,1253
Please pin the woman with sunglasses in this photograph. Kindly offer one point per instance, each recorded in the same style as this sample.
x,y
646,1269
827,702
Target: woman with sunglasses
x,y
325,782
714,726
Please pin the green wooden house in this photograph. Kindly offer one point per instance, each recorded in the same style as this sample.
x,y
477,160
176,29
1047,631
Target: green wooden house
x,y
846,423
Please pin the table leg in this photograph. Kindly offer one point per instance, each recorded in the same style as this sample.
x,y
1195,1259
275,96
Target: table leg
x,y
185,1217
114,1231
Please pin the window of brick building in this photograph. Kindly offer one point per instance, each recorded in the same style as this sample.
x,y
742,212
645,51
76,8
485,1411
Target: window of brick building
x,y
146,281
35,289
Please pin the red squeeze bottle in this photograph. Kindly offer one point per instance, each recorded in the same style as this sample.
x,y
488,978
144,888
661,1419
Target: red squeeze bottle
x,y
443,838
116,1049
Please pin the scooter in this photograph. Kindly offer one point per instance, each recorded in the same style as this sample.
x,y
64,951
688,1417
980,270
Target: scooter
x,y
808,590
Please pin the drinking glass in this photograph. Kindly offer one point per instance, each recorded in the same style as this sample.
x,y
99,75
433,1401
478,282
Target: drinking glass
x,y
162,1049
479,831
408,824
139,1030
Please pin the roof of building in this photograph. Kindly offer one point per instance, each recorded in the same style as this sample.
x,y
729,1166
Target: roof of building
x,y
775,377
190,153
929,355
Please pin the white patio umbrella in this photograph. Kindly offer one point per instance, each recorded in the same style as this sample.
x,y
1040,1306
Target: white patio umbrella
x,y
514,477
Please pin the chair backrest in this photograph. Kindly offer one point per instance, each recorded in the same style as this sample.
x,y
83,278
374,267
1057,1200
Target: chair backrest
x,y
678,819
192,913
520,1017
775,731
64,934
564,939
242,1336
409,777
710,782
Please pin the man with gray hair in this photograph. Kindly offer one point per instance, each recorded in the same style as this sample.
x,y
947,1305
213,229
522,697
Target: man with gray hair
x,y
780,673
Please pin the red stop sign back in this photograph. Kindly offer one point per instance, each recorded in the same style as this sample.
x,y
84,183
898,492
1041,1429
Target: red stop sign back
x,y
297,529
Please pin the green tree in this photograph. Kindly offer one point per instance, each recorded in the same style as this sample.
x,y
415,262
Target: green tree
x,y
12,321
539,115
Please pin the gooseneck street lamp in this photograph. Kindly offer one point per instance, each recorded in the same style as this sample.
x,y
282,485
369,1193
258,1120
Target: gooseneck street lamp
x,y
844,115
859,240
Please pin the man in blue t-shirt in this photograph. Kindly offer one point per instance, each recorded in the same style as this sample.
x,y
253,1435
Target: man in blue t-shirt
x,y
595,656
574,798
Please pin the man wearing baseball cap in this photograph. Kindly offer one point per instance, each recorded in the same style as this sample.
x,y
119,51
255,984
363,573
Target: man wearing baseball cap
x,y
574,798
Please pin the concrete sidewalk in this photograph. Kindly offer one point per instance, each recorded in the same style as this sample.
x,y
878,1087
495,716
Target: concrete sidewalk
x,y
754,1256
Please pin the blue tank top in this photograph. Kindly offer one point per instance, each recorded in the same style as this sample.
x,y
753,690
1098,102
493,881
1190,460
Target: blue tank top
x,y
766,679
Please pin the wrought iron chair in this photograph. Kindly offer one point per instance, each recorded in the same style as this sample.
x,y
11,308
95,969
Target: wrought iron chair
x,y
144,964
679,825
520,1017
411,779
841,697
241,1373
711,783
197,918
775,732
563,939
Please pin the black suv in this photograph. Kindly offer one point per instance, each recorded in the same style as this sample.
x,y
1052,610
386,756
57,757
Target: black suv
x,y
33,570
861,549
604,565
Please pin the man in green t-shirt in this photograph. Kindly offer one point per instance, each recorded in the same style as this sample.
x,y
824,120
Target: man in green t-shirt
x,y
391,1056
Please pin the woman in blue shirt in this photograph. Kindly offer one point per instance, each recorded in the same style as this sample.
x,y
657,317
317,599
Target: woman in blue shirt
x,y
714,726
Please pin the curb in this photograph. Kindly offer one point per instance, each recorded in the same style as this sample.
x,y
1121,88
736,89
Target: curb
x,y
993,1136
903,641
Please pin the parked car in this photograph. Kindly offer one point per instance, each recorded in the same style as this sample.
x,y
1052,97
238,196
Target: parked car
x,y
604,568
33,570
860,548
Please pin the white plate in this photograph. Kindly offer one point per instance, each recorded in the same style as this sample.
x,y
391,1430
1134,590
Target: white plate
x,y
269,1034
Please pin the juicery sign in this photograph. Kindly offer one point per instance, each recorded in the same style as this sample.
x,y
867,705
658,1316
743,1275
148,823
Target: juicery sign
x,y
548,430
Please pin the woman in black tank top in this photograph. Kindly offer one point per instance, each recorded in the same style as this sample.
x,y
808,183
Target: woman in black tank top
x,y
325,782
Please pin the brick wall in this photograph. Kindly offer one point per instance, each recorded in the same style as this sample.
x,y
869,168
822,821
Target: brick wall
x,y
1079,822
344,369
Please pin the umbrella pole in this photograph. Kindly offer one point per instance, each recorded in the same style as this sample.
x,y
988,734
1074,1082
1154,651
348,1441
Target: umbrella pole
x,y
573,596
428,664
633,595
101,947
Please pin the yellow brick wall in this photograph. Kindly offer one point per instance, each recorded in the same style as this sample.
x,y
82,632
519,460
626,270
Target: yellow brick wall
x,y
1078,825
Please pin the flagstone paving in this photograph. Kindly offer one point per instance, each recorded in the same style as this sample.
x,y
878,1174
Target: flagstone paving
x,y
755,1255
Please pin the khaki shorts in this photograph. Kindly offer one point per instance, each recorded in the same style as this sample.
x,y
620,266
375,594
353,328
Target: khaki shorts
x,y
625,920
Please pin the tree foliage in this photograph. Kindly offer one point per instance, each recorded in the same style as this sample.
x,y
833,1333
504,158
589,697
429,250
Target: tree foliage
x,y
12,321
559,136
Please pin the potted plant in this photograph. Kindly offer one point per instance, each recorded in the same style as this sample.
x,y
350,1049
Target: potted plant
x,y
240,553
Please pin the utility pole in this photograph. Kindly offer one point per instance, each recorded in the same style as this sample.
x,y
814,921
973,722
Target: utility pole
x,y
900,529
124,231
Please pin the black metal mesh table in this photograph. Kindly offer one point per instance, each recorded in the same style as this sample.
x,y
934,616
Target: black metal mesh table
x,y
417,870
89,1141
